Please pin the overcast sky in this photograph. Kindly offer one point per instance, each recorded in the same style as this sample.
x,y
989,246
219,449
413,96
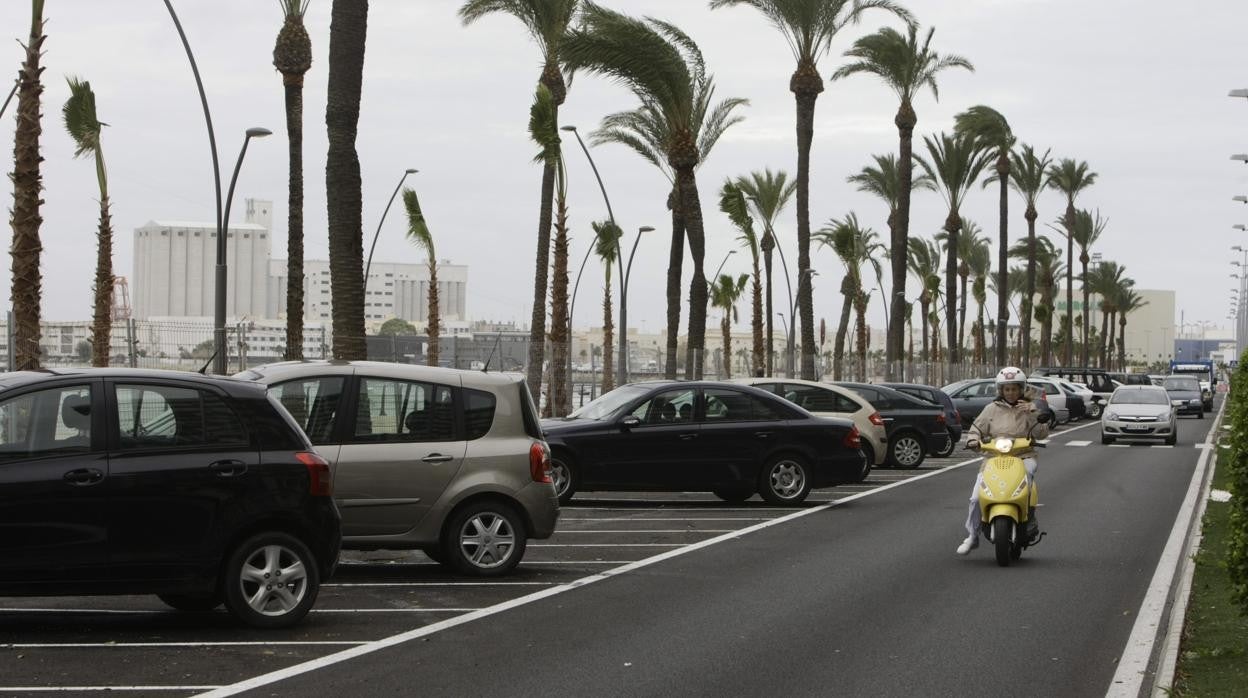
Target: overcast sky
x,y
1137,88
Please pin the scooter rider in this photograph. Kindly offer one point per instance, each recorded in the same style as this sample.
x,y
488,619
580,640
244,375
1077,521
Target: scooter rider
x,y
1012,415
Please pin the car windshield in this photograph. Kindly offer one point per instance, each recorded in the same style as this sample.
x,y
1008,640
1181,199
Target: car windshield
x,y
1140,397
1181,383
608,404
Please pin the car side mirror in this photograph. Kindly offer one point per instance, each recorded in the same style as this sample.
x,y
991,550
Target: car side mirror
x,y
630,421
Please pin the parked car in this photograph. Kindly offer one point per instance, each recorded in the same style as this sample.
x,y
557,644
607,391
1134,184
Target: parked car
x,y
1077,398
936,396
1185,395
1130,378
1054,395
1140,412
915,427
447,461
1094,379
973,395
733,440
199,490
825,400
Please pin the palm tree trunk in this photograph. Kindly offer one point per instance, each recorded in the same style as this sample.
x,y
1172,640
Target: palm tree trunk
x,y
1030,293
923,306
860,308
537,320
1104,360
1070,270
348,31
806,84
770,314
559,311
294,221
899,230
838,350
675,261
103,319
962,311
1003,260
1083,259
726,328
952,224
25,220
608,336
691,208
756,320
434,327
1122,332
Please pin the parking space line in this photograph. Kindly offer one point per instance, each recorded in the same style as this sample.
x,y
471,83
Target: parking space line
x,y
86,689
437,584
681,518
656,530
606,545
125,645
394,610
673,508
111,611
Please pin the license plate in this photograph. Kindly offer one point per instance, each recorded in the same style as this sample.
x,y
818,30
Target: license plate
x,y
1137,430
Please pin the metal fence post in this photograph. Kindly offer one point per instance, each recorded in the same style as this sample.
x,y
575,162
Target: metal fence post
x,y
131,344
9,331
322,341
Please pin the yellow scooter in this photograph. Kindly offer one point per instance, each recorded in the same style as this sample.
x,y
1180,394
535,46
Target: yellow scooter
x,y
1006,498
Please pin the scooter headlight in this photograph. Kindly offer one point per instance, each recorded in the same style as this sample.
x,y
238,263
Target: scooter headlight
x,y
1003,445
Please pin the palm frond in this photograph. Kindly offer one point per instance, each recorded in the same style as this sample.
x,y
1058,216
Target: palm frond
x,y
294,8
732,202
607,242
417,230
80,118
544,126
900,62
547,21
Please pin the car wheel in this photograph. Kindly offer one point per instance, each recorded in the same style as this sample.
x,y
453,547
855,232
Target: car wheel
x,y
785,480
1173,438
1094,412
734,495
484,539
947,450
271,581
191,603
434,552
1106,439
1200,414
905,450
563,473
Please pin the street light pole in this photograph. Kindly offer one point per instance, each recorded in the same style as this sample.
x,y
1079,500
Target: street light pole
x,y
791,361
372,247
715,277
220,363
623,357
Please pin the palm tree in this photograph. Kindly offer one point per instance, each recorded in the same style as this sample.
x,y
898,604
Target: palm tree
x,y
1049,268
607,247
418,234
854,245
1104,280
85,128
905,66
547,22
808,27
768,193
1128,302
970,242
27,184
724,295
979,264
993,132
348,29
664,69
645,131
1028,176
732,202
544,130
923,260
1070,178
956,162
1087,231
292,56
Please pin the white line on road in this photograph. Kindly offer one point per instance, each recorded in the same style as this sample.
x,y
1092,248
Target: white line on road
x,y
1120,446
655,530
682,518
1162,446
394,610
85,689
439,584
125,645
1078,443
606,545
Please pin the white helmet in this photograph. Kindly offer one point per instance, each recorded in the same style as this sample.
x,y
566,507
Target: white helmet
x,y
1011,374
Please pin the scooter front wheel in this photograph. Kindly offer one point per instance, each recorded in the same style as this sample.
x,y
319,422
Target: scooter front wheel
x,y
1001,527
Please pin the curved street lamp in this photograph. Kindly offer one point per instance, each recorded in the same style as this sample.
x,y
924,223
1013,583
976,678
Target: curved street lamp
x,y
372,247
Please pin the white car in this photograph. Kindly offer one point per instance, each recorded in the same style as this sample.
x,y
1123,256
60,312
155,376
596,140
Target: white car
x,y
1140,412
825,400
1081,391
1054,395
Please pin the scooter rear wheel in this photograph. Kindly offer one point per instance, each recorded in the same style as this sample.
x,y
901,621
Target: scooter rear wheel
x,y
1001,539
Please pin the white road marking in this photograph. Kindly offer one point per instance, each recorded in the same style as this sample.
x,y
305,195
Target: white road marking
x,y
683,518
1204,445
1120,446
395,610
114,611
124,645
658,530
1162,446
606,545
438,584
1078,443
674,508
85,689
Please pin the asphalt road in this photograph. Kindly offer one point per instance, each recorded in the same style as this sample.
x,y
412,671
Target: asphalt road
x,y
865,598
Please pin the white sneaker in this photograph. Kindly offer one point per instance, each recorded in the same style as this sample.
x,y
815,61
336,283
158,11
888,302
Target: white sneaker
x,y
968,545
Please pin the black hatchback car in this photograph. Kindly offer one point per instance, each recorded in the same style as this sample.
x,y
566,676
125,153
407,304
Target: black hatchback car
x,y
936,396
200,490
733,440
915,427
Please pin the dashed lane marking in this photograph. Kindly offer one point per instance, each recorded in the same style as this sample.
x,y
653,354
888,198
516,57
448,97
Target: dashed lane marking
x,y
1078,443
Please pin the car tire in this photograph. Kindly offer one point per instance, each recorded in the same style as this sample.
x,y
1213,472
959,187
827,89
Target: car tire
x,y
191,603
868,454
1200,414
733,495
1094,411
484,539
434,552
946,450
1173,438
253,589
905,450
563,473
785,480
1107,439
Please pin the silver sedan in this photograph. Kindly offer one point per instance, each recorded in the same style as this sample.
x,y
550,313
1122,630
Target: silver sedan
x,y
1139,412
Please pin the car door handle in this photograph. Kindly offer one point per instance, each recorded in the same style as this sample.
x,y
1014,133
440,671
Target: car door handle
x,y
84,476
437,458
227,468
763,434
689,437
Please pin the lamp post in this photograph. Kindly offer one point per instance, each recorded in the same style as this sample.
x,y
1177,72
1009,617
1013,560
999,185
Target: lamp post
x,y
1239,226
220,363
792,328
1240,157
623,358
1240,198
368,265
715,277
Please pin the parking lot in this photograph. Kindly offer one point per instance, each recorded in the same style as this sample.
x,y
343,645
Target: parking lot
x,y
137,644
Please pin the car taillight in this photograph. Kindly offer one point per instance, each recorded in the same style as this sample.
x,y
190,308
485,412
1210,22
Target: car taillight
x,y
539,462
853,439
320,482
876,419
940,418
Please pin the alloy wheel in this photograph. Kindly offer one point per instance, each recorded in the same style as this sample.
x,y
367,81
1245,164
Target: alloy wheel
x,y
487,539
273,580
787,479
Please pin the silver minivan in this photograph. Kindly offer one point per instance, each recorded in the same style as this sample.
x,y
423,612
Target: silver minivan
x,y
446,461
